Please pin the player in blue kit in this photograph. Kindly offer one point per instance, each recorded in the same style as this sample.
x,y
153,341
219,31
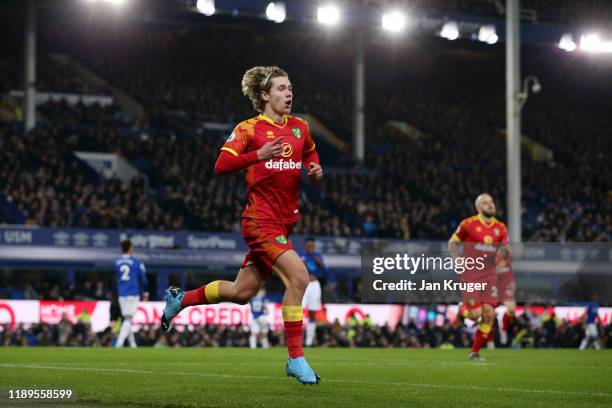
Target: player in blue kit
x,y
591,334
131,282
259,324
317,270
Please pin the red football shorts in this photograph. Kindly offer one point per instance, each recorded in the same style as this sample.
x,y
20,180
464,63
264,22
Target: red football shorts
x,y
475,299
267,240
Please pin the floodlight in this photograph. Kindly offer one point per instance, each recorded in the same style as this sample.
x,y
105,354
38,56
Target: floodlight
x,y
593,43
328,14
488,34
394,21
450,30
276,12
567,43
206,7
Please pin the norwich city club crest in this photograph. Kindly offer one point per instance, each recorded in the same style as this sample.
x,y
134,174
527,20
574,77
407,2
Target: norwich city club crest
x,y
297,132
281,240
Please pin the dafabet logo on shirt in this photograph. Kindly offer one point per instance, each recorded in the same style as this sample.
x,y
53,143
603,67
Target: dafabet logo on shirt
x,y
283,164
287,150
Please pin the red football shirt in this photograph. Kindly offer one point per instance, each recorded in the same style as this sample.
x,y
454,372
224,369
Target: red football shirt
x,y
272,185
481,238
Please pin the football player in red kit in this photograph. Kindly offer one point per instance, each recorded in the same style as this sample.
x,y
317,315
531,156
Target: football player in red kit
x,y
272,147
482,236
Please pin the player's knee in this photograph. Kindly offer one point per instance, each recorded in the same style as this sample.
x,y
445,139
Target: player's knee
x,y
243,296
299,281
241,299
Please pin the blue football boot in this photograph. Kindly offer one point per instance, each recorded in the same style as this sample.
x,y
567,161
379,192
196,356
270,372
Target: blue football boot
x,y
299,369
174,297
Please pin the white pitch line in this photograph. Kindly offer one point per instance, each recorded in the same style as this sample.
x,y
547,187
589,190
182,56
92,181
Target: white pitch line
x,y
342,361
387,361
354,382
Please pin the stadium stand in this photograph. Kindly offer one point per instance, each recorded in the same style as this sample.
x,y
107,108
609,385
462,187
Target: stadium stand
x,y
408,188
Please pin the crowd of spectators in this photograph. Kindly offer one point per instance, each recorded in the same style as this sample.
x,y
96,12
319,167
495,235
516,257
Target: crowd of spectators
x,y
28,288
571,11
550,332
54,78
406,188
575,200
52,187
379,199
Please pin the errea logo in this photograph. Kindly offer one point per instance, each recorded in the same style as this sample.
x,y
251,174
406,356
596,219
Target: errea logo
x,y
283,164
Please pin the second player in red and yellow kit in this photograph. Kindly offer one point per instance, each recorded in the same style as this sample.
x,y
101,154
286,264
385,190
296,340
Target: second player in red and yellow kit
x,y
484,237
481,239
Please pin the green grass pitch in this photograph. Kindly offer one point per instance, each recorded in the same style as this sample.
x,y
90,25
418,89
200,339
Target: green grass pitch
x,y
215,377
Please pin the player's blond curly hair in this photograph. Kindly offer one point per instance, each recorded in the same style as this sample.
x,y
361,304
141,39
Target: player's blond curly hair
x,y
258,79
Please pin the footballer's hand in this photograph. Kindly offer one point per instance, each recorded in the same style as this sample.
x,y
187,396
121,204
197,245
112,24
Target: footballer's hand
x,y
145,296
271,149
505,252
315,171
